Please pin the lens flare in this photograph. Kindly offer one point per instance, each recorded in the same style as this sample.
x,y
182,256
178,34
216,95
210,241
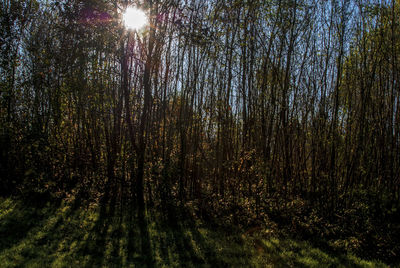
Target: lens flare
x,y
134,18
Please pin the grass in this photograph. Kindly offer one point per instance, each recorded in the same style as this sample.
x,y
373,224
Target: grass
x,y
63,236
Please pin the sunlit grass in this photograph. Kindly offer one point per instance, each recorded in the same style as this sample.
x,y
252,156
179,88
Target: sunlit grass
x,y
62,237
293,253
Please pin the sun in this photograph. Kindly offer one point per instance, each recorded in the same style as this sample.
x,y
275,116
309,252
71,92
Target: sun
x,y
134,18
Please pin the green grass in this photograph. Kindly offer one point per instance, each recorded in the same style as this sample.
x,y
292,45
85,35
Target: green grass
x,y
60,236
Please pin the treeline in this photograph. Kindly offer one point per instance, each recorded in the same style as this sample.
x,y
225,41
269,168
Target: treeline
x,y
241,110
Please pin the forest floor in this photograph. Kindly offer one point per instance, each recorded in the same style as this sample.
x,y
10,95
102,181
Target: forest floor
x,y
68,235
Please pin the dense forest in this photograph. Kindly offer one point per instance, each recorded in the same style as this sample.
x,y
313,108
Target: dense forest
x,y
275,118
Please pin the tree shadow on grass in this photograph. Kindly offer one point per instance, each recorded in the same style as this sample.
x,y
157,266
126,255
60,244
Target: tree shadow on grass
x,y
183,245
172,246
222,247
180,241
99,236
291,253
32,232
146,249
99,243
73,234
133,242
17,220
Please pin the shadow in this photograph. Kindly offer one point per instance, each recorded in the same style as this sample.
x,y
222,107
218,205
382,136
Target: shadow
x,y
184,247
147,253
171,243
95,244
133,233
292,253
108,235
181,243
164,243
31,232
116,237
222,247
18,220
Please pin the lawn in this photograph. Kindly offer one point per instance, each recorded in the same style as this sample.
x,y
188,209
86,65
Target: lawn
x,y
71,235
